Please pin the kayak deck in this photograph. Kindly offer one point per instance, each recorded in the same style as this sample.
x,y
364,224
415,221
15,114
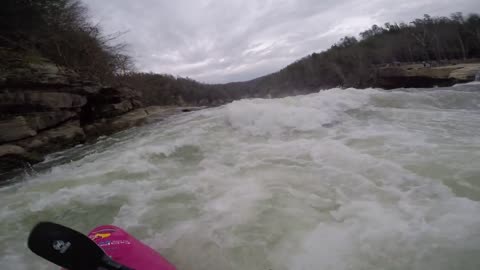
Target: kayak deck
x,y
127,250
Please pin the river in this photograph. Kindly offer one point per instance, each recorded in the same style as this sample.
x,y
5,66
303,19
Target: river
x,y
340,179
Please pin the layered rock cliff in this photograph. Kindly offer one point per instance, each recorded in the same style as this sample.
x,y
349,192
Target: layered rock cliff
x,y
423,75
45,108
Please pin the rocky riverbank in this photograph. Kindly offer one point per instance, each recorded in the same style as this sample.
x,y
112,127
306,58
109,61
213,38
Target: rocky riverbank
x,y
424,75
46,108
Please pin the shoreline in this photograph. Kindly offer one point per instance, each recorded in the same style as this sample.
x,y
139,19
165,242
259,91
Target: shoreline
x,y
136,118
423,76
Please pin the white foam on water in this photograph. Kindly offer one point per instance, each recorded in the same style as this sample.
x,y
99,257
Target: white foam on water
x,y
340,179
466,84
305,113
370,235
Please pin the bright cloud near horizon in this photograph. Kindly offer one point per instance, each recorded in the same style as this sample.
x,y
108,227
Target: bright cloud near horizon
x,y
219,41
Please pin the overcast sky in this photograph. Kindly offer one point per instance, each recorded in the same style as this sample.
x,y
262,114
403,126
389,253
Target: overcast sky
x,y
233,40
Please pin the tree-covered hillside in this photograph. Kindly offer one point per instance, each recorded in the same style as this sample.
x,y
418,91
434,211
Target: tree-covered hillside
x,y
60,31
353,62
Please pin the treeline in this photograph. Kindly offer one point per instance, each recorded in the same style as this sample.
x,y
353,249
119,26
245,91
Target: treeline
x,y
353,62
163,89
60,31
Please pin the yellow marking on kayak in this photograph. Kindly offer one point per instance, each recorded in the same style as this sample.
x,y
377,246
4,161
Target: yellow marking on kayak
x,y
101,235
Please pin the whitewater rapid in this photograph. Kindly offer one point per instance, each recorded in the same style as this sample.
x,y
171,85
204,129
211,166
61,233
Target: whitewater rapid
x,y
340,179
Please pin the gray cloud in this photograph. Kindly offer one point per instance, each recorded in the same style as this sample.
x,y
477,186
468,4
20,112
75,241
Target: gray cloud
x,y
233,40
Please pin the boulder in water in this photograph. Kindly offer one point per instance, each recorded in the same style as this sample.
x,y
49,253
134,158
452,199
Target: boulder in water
x,y
14,156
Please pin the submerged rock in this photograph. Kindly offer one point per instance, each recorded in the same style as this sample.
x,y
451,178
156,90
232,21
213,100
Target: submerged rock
x,y
14,156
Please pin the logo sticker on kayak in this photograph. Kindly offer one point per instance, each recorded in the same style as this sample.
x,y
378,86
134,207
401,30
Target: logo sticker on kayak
x,y
61,246
113,243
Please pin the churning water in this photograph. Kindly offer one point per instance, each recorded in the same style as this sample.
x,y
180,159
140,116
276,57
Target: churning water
x,y
341,179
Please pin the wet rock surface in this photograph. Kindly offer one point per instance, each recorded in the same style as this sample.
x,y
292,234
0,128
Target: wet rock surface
x,y
46,108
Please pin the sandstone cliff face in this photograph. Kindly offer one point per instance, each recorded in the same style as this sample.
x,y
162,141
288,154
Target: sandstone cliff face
x,y
45,108
420,76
